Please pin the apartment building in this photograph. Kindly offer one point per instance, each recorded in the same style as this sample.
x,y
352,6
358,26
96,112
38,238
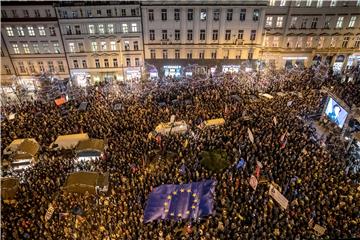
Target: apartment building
x,y
103,41
304,32
212,34
31,43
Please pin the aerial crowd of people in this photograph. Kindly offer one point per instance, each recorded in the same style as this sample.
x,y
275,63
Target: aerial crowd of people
x,y
310,175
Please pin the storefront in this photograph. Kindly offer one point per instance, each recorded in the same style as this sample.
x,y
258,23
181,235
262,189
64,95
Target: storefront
x,y
133,74
339,62
353,61
291,62
231,68
81,79
172,71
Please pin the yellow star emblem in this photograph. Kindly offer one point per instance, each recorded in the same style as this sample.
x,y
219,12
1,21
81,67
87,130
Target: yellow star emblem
x,y
165,204
193,207
172,214
179,215
174,192
182,190
188,212
189,190
194,195
195,200
169,197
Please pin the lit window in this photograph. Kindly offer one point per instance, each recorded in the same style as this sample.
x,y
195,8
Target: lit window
x,y
279,22
72,47
298,3
61,66
9,31
352,21
42,31
103,46
94,46
275,42
256,15
31,31
127,45
101,28
308,3
269,21
309,42
56,48
110,28
339,22
282,3
321,42
91,29
113,46
20,31
22,67
293,22
272,2
203,14
36,48
319,3
333,3
26,48
16,48
125,28
134,27
46,48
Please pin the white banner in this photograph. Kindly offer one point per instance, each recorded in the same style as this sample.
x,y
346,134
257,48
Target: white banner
x,y
253,182
319,230
49,212
274,120
251,137
277,196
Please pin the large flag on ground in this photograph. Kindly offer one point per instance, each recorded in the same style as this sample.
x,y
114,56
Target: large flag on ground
x,y
185,201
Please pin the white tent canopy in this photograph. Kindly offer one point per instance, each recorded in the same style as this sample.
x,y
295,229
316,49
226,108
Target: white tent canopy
x,y
15,144
69,141
176,127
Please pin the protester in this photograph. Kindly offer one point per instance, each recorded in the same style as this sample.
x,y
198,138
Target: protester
x,y
322,190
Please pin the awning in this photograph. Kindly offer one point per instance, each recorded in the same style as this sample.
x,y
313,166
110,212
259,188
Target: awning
x,y
69,141
91,144
9,187
82,182
28,146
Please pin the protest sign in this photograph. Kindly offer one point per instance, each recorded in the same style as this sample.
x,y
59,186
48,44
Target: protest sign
x,y
253,182
49,212
278,197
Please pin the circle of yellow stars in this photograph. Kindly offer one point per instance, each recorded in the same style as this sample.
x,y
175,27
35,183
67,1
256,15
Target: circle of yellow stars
x,y
170,196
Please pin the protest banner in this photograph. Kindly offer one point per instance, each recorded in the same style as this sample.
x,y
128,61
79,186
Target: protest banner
x,y
253,182
319,230
49,212
278,197
251,137
274,120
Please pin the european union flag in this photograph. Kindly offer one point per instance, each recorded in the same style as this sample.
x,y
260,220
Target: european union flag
x,y
184,201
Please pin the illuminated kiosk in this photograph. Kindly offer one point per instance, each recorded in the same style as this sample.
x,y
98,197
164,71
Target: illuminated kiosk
x,y
89,149
68,141
9,188
21,154
91,182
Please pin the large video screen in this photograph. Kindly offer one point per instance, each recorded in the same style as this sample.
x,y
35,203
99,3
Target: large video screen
x,y
335,112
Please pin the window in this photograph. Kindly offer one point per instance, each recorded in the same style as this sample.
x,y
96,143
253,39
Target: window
x,y
229,14
216,14
37,13
226,54
213,55
269,21
26,13
227,35
52,31
253,35
76,64
136,45
215,35
202,54
3,14
94,47
98,12
113,46
164,35
202,34
97,63
190,35
110,28
68,29
84,64
240,34
77,30
152,35
327,22
106,63
14,13
177,53
31,67
164,14
314,22
74,14
56,47
333,3
152,54
319,3
81,47
61,66
352,21
242,14
151,14
177,35
165,54
42,31
298,3
89,13
123,12
275,42
293,22
308,3
282,3
134,12
9,31
108,12
345,42
134,27
115,62
22,67
189,55
7,69
177,14
65,14
36,48
309,41
357,41
339,22
41,66
304,23
358,3
125,28
321,42
266,40
279,22
46,48
190,14
203,14
256,15
101,28
103,46
127,45
333,42
250,55
299,42
26,48
272,2
72,47
137,62
128,62
48,13
20,31
16,49
91,29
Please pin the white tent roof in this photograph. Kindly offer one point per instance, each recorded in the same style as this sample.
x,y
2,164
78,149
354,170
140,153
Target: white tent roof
x,y
69,141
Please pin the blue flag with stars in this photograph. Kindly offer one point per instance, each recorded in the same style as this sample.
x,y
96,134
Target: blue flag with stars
x,y
185,201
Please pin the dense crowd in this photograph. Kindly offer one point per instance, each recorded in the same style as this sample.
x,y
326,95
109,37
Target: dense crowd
x,y
322,191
